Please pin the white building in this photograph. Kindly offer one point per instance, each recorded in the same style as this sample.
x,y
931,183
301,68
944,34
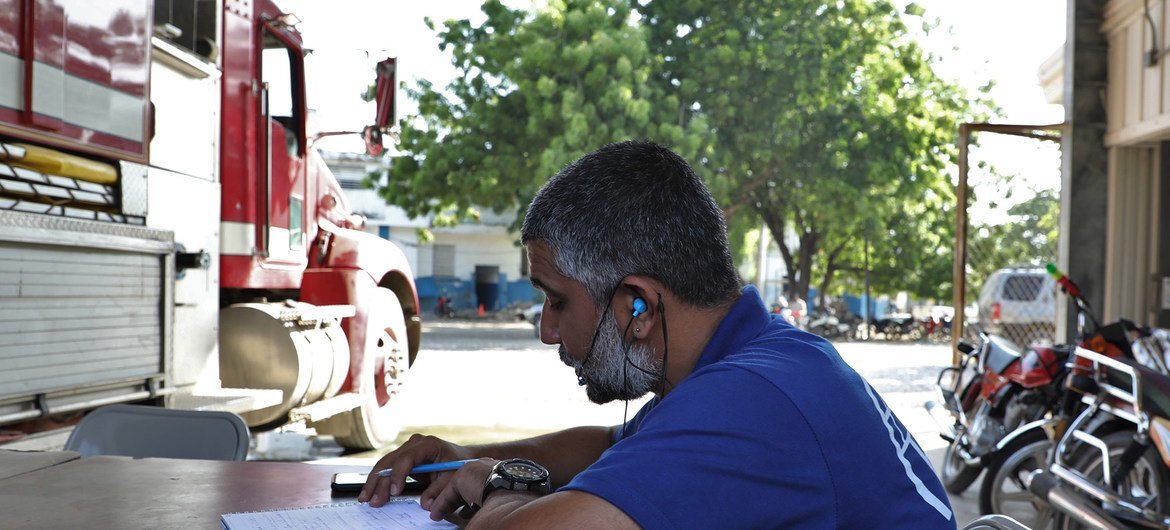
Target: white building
x,y
457,259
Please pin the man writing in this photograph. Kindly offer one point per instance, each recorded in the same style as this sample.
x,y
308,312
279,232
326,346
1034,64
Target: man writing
x,y
753,424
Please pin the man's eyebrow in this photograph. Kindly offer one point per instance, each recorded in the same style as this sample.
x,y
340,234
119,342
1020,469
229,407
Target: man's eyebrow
x,y
544,288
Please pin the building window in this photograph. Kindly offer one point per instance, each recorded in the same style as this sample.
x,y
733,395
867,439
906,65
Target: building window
x,y
444,260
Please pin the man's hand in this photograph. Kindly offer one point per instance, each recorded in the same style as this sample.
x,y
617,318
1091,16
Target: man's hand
x,y
416,451
464,488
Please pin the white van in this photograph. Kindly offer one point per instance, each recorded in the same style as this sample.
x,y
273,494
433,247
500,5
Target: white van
x,y
1019,304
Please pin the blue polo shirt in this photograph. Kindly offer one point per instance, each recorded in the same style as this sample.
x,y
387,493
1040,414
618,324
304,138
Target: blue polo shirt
x,y
771,430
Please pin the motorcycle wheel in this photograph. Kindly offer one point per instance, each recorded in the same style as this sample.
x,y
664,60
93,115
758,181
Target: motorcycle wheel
x,y
1003,490
1146,483
957,475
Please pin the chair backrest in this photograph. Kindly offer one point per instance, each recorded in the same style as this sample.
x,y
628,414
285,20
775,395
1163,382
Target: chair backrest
x,y
143,431
995,522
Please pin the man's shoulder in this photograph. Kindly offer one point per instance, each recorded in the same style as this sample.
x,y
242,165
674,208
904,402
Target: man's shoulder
x,y
778,350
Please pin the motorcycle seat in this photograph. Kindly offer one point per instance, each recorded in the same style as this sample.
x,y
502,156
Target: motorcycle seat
x,y
1001,353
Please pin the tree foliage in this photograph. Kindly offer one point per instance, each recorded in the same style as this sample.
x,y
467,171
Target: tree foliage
x,y
829,123
536,91
823,120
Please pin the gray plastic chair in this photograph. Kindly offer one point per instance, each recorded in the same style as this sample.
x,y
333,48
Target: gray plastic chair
x,y
995,522
143,431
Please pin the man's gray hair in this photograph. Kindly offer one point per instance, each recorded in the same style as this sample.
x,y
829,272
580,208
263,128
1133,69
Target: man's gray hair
x,y
635,207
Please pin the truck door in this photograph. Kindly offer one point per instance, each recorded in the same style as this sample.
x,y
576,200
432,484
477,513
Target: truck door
x,y
281,229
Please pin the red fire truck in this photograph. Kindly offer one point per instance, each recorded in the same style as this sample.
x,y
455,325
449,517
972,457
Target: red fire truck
x,y
168,233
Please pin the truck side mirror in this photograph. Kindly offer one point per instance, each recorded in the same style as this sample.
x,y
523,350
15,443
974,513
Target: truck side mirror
x,y
385,83
373,138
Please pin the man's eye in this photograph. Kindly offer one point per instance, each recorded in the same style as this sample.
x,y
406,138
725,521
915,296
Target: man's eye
x,y
556,304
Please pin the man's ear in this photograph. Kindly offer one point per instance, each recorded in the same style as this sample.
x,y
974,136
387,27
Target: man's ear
x,y
634,288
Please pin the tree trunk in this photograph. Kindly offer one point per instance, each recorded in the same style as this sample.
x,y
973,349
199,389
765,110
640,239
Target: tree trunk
x,y
776,224
831,268
808,246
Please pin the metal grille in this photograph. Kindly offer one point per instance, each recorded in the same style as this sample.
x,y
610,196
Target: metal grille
x,y
134,189
29,191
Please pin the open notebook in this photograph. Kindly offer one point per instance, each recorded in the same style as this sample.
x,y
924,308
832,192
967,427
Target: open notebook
x,y
403,513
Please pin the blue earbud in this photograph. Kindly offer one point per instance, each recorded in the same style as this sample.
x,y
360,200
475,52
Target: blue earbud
x,y
639,306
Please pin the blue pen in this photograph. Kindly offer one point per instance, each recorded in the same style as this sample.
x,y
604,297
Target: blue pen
x,y
431,468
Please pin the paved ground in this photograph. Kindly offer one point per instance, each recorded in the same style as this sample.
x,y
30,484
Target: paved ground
x,y
453,392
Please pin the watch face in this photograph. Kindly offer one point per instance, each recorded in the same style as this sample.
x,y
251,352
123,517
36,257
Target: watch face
x,y
523,471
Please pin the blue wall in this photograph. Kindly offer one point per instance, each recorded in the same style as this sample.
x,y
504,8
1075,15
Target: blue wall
x,y
461,292
880,307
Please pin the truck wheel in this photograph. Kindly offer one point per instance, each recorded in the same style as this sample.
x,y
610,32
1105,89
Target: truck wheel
x,y
373,424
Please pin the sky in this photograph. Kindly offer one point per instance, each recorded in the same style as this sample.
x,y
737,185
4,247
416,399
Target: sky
x,y
1000,40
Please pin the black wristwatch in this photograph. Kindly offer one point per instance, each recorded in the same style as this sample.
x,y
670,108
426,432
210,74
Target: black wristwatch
x,y
517,474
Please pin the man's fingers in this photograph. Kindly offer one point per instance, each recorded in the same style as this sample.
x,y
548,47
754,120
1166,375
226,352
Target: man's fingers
x,y
379,489
437,483
444,503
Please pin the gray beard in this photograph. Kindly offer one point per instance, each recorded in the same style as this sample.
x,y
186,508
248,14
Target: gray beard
x,y
608,377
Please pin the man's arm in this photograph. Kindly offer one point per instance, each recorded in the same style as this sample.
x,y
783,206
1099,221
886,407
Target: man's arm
x,y
523,509
564,454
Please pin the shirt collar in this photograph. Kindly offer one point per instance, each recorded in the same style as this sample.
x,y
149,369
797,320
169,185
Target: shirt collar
x,y
746,319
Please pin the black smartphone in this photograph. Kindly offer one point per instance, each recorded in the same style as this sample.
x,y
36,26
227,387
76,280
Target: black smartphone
x,y
353,482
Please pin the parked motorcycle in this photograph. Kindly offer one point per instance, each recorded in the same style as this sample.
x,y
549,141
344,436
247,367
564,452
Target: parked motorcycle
x,y
444,308
1027,448
993,391
990,401
1111,468
898,326
828,326
937,326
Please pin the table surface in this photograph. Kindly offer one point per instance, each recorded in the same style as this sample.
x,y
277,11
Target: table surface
x,y
122,492
14,463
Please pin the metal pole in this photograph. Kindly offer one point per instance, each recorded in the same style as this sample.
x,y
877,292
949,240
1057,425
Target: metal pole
x,y
762,265
867,313
960,269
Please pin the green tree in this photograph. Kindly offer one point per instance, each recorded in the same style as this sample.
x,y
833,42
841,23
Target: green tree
x,y
535,91
828,123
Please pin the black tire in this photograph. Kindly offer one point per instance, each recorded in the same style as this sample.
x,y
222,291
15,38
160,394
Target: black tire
x,y
1148,478
1003,490
957,475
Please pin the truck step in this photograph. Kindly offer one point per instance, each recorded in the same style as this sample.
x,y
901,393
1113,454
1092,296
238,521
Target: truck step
x,y
308,314
327,407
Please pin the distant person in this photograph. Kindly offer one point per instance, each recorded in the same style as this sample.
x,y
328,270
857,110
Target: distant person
x,y
753,423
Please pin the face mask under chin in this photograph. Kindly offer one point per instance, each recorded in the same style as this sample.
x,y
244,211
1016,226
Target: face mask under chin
x,y
607,376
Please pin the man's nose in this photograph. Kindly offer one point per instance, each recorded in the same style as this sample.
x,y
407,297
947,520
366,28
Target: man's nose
x,y
549,334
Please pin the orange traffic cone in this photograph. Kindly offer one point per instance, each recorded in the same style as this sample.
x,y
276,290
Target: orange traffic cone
x,y
481,310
